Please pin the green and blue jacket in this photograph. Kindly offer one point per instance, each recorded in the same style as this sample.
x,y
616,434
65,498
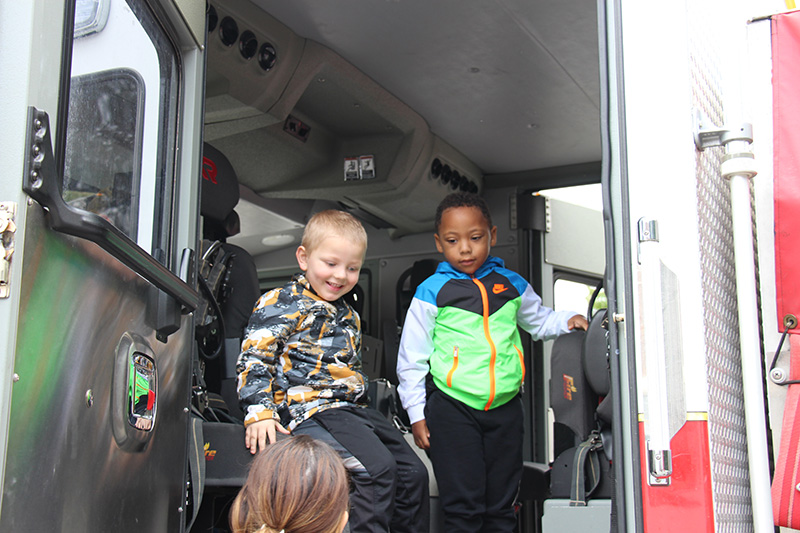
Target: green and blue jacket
x,y
464,330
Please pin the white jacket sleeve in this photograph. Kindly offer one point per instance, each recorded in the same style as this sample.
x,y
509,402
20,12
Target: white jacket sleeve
x,y
416,347
541,322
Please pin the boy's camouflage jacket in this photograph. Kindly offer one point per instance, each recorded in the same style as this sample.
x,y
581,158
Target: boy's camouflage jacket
x,y
300,355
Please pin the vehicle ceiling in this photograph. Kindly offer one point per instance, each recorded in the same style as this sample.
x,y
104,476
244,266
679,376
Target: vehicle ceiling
x,y
512,85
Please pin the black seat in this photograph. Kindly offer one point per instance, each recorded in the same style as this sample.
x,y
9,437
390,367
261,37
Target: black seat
x,y
238,289
229,284
579,395
405,288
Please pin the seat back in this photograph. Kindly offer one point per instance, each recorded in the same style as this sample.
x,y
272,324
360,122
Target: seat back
x,y
572,399
236,289
405,288
579,395
407,285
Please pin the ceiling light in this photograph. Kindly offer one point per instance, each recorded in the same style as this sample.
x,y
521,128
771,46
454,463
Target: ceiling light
x,y
277,240
90,17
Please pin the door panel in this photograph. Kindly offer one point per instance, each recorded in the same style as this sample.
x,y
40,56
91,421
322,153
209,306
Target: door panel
x,y
101,336
66,467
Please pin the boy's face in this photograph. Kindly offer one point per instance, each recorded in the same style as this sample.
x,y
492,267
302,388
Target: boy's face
x,y
332,267
465,238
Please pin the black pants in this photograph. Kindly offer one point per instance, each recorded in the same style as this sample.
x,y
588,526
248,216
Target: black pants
x,y
477,459
389,482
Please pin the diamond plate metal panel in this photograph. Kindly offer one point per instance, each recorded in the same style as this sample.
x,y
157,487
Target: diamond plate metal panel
x,y
726,423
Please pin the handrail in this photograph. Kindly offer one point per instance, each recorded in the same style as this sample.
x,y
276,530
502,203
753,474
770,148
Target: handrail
x,y
42,183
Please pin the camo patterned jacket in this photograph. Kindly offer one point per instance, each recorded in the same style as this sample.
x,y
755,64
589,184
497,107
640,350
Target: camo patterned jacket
x,y
300,355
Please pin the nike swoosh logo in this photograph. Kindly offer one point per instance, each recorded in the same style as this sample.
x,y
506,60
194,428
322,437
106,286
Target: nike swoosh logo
x,y
498,288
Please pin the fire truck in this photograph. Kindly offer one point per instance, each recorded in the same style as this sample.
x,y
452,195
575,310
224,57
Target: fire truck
x,y
641,162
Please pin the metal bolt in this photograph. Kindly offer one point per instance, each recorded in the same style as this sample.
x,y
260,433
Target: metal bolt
x,y
777,375
619,317
797,487
89,398
185,409
15,377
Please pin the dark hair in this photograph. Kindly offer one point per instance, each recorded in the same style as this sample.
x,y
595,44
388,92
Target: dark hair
x,y
462,199
298,485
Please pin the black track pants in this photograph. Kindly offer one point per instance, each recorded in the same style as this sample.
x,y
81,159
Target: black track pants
x,y
477,459
390,486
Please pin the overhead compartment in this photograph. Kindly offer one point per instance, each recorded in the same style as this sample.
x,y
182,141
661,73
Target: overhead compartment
x,y
251,58
322,129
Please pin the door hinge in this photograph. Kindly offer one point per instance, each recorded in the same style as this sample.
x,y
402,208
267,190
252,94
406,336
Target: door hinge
x,y
8,229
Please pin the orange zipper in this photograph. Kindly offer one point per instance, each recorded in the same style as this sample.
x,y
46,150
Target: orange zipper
x,y
453,369
492,348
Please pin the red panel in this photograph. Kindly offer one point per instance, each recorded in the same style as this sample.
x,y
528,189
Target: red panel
x,y
785,498
786,110
686,504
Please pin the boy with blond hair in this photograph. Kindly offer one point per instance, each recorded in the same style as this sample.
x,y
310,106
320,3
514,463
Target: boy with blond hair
x,y
300,372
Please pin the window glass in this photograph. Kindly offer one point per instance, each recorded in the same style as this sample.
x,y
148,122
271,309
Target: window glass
x,y
119,158
570,295
101,169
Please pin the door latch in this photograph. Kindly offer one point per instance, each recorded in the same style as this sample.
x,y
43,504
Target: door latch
x,y
8,229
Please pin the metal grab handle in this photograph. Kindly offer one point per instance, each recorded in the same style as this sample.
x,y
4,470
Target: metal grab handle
x,y
42,183
664,399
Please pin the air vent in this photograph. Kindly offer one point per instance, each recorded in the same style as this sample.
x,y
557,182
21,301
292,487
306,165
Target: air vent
x,y
228,31
212,17
248,44
267,56
446,175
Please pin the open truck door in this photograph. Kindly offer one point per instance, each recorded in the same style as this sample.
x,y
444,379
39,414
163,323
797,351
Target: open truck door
x,y
700,297
101,112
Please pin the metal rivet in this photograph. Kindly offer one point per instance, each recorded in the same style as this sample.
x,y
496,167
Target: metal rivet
x,y
89,398
777,375
185,409
15,377
797,487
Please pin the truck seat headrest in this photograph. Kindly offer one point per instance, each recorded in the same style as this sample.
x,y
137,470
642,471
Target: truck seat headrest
x,y
220,187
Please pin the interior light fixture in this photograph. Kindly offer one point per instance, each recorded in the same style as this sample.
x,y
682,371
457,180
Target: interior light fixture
x,y
90,17
277,240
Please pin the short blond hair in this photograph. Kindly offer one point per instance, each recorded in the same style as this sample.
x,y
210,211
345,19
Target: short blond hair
x,y
333,223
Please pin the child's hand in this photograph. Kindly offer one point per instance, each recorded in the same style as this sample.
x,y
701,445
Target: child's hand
x,y
421,434
578,322
257,434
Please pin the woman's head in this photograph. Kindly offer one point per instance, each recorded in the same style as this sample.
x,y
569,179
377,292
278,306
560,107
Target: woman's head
x,y
298,485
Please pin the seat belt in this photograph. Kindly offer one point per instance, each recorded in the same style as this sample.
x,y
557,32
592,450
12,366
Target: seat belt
x,y
583,473
785,494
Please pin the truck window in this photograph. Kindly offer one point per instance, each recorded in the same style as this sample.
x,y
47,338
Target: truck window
x,y
119,156
572,295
